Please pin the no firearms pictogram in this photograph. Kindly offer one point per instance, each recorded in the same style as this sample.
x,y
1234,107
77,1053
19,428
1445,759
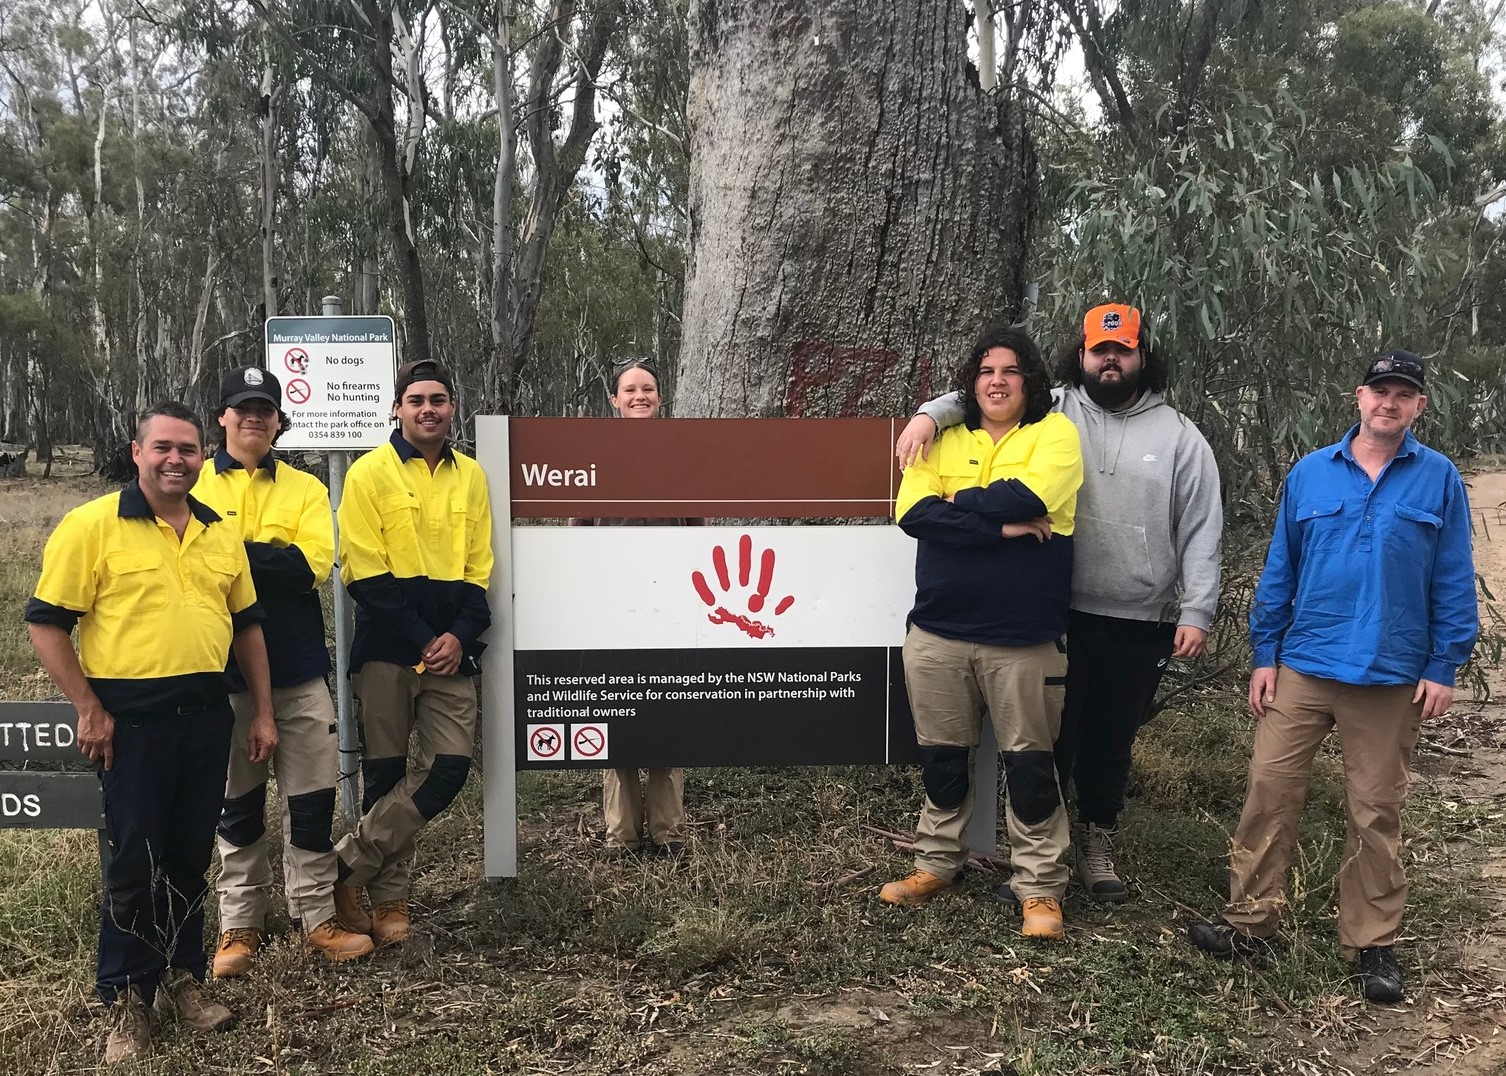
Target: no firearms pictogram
x,y
588,741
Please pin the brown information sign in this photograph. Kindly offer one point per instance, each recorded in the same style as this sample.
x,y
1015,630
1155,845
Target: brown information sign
x,y
706,467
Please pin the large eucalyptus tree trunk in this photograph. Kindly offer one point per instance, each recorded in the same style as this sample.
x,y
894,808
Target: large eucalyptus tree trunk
x,y
859,207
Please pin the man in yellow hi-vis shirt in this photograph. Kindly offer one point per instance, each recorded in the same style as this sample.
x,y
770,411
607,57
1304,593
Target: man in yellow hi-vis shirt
x,y
160,590
284,518
415,551
993,509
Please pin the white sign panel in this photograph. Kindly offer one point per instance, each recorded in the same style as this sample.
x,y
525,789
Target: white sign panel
x,y
337,375
665,588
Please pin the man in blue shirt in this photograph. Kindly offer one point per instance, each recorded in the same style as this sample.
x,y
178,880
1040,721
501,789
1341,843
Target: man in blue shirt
x,y
1364,611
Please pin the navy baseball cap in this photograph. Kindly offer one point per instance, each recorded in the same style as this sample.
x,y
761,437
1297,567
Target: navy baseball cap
x,y
250,383
1398,364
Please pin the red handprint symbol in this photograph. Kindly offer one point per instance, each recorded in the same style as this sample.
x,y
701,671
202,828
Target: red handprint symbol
x,y
720,613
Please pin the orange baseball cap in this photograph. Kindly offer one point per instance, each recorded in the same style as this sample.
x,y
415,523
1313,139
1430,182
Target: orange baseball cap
x,y
1111,322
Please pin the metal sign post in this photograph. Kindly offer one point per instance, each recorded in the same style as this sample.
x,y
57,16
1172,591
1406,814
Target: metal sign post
x,y
337,376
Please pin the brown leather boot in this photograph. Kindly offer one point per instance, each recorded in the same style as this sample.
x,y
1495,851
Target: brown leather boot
x,y
237,952
338,944
390,924
914,890
193,1006
348,908
130,1028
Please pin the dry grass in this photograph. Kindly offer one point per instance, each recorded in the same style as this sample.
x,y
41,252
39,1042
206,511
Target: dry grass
x,y
764,951
29,509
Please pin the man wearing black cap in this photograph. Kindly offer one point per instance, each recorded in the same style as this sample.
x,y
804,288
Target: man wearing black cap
x,y
284,519
1364,611
415,552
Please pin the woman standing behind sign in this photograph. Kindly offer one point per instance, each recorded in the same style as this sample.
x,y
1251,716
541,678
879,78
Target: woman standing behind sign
x,y
634,808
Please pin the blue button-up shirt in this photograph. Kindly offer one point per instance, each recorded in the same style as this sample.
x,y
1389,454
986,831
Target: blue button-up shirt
x,y
1369,582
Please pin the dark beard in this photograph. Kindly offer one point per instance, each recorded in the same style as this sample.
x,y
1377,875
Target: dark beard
x,y
1113,395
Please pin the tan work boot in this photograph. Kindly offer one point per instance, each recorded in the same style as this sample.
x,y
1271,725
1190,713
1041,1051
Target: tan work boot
x,y
348,909
237,952
193,1006
1093,863
1043,919
338,944
914,890
130,1028
390,924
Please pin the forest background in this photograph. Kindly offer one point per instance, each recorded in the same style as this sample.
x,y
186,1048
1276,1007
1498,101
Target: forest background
x,y
797,208
535,189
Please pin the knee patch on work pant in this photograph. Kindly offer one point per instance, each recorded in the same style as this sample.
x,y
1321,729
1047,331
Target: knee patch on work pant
x,y
380,776
244,819
310,817
446,777
944,772
1030,777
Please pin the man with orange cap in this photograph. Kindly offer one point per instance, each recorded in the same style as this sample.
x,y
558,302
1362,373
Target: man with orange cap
x,y
1145,576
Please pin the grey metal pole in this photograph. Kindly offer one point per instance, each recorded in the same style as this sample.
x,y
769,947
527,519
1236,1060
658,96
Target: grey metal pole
x,y
983,829
350,740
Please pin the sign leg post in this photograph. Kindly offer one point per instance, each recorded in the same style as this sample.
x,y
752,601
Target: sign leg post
x,y
983,829
499,753
350,739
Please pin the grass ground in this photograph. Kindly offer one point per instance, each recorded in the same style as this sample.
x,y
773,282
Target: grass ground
x,y
765,950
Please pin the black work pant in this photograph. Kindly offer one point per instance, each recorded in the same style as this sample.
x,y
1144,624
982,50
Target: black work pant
x,y
1113,669
162,801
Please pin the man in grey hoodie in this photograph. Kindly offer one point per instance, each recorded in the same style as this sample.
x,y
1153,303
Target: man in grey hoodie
x,y
1145,576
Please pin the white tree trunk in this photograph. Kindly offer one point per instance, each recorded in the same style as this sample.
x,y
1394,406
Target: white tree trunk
x,y
859,207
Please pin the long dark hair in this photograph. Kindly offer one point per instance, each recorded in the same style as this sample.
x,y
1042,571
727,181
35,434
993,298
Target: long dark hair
x,y
1068,361
1027,355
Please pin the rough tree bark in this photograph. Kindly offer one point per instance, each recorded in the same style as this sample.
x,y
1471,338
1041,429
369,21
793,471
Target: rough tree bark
x,y
859,207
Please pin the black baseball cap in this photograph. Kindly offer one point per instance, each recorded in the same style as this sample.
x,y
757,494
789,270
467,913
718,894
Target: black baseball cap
x,y
250,383
1398,364
422,370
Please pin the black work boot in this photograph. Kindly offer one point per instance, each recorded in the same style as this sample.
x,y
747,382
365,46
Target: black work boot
x,y
1380,975
1224,942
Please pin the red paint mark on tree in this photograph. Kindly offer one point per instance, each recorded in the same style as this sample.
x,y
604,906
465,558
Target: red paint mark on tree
x,y
855,378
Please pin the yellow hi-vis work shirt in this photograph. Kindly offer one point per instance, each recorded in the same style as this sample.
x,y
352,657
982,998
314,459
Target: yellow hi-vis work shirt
x,y
971,583
284,517
416,553
155,616
1045,456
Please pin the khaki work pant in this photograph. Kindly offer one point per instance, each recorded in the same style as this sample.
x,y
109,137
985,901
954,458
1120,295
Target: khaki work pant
x,y
950,685
401,797
306,762
626,799
1378,727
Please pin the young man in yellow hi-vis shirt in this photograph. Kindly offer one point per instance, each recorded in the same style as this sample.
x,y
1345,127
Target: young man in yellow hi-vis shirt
x,y
992,508
160,590
283,516
415,551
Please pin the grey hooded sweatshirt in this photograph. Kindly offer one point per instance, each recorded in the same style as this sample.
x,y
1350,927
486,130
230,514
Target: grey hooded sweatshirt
x,y
1149,514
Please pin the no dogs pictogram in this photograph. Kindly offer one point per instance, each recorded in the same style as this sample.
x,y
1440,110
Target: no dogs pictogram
x,y
546,743
299,391
588,741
